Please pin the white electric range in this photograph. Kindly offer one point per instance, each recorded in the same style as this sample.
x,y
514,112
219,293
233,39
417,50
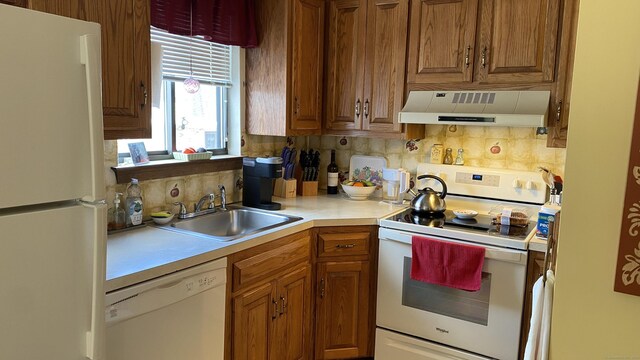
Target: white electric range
x,y
420,321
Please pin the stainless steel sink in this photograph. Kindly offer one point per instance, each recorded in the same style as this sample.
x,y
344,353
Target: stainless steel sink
x,y
233,223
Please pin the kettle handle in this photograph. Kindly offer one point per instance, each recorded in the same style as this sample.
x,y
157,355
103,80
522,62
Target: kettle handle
x,y
444,186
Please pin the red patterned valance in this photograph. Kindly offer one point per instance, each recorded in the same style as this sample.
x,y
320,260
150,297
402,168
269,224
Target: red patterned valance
x,y
228,22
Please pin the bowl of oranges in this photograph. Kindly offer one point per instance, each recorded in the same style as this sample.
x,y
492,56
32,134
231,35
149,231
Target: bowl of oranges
x,y
358,189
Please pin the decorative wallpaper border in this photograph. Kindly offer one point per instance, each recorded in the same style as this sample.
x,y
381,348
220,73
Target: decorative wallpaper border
x,y
627,276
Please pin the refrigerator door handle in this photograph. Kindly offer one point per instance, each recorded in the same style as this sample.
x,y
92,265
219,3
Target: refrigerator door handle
x,y
96,336
90,58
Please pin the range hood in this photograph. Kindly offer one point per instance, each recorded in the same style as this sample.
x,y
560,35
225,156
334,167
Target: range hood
x,y
480,108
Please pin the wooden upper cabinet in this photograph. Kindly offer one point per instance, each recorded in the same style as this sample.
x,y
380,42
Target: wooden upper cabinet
x,y
441,41
284,73
558,121
126,63
345,64
517,41
308,50
483,41
385,64
365,68
76,9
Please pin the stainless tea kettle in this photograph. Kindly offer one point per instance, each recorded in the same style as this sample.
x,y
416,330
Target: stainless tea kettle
x,y
428,200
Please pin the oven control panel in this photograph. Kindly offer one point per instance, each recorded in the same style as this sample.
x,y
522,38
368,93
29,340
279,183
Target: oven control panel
x,y
499,184
477,179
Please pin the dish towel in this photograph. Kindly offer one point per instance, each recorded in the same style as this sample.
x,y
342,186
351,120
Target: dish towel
x,y
537,347
536,318
445,263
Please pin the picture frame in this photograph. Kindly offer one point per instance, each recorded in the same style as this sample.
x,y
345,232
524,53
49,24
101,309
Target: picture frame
x,y
138,153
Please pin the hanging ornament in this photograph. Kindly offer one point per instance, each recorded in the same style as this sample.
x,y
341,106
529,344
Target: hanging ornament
x,y
191,85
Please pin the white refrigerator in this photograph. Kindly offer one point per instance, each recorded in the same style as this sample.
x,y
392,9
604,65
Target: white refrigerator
x,y
52,209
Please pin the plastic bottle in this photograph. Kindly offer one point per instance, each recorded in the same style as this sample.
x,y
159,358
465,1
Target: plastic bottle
x,y
332,175
117,218
134,203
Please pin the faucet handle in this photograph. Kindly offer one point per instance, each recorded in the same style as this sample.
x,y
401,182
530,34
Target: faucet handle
x,y
212,199
223,197
183,208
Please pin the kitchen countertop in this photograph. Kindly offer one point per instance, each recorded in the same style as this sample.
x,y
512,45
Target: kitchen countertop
x,y
141,254
538,244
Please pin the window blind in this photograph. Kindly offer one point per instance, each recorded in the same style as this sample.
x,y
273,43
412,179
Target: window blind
x,y
211,62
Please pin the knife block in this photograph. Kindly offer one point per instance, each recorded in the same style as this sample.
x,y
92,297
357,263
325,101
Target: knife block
x,y
308,188
285,188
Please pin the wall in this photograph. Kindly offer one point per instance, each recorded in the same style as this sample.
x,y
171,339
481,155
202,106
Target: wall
x,y
521,149
590,320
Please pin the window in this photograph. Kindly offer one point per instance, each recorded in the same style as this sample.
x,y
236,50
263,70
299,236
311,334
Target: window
x,y
180,119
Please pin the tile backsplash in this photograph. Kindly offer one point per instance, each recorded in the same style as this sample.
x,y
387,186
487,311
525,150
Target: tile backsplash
x,y
493,147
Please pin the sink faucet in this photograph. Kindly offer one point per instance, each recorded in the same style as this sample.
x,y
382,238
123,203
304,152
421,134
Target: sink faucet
x,y
211,198
223,197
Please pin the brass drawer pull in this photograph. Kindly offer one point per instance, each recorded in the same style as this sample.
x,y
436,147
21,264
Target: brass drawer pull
x,y
345,246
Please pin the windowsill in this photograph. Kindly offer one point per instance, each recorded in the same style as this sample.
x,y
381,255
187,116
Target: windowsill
x,y
161,169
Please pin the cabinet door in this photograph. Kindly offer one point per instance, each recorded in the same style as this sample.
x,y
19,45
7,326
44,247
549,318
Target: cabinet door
x,y
441,41
308,45
558,121
517,41
342,318
294,315
126,64
76,9
254,315
345,64
21,3
384,64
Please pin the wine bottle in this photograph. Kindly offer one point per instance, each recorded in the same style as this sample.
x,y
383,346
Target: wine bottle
x,y
332,175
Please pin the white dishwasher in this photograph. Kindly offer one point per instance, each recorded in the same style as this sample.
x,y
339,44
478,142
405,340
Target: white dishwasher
x,y
177,316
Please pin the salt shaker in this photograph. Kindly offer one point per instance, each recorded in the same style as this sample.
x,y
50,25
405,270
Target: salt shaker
x,y
448,157
460,158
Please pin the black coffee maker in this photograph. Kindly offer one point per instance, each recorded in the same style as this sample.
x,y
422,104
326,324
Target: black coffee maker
x,y
258,174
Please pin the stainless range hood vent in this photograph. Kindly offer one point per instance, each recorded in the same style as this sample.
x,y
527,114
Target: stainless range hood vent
x,y
482,108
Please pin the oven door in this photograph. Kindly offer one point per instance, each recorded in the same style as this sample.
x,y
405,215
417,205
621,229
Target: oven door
x,y
486,322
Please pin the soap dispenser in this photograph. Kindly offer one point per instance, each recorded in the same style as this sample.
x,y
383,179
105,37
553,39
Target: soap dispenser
x,y
117,219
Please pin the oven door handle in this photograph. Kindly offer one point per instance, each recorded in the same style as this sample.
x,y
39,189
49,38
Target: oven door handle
x,y
491,252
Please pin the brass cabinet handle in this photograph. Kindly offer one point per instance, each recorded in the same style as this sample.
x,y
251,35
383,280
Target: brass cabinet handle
x,y
559,112
358,108
366,108
466,56
283,308
145,94
322,288
275,309
483,60
345,246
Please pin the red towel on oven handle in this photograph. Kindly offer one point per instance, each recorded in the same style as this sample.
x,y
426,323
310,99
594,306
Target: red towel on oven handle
x,y
447,263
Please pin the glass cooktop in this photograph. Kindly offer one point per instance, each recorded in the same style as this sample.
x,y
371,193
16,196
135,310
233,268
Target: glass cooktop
x,y
482,223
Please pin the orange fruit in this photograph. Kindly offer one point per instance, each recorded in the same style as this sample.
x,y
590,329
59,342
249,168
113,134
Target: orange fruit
x,y
358,184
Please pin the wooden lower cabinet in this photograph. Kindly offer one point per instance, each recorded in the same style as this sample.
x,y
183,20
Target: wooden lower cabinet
x,y
309,295
535,269
342,322
346,263
272,321
271,301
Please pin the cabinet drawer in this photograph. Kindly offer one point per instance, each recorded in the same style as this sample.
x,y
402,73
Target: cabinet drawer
x,y
270,260
339,244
